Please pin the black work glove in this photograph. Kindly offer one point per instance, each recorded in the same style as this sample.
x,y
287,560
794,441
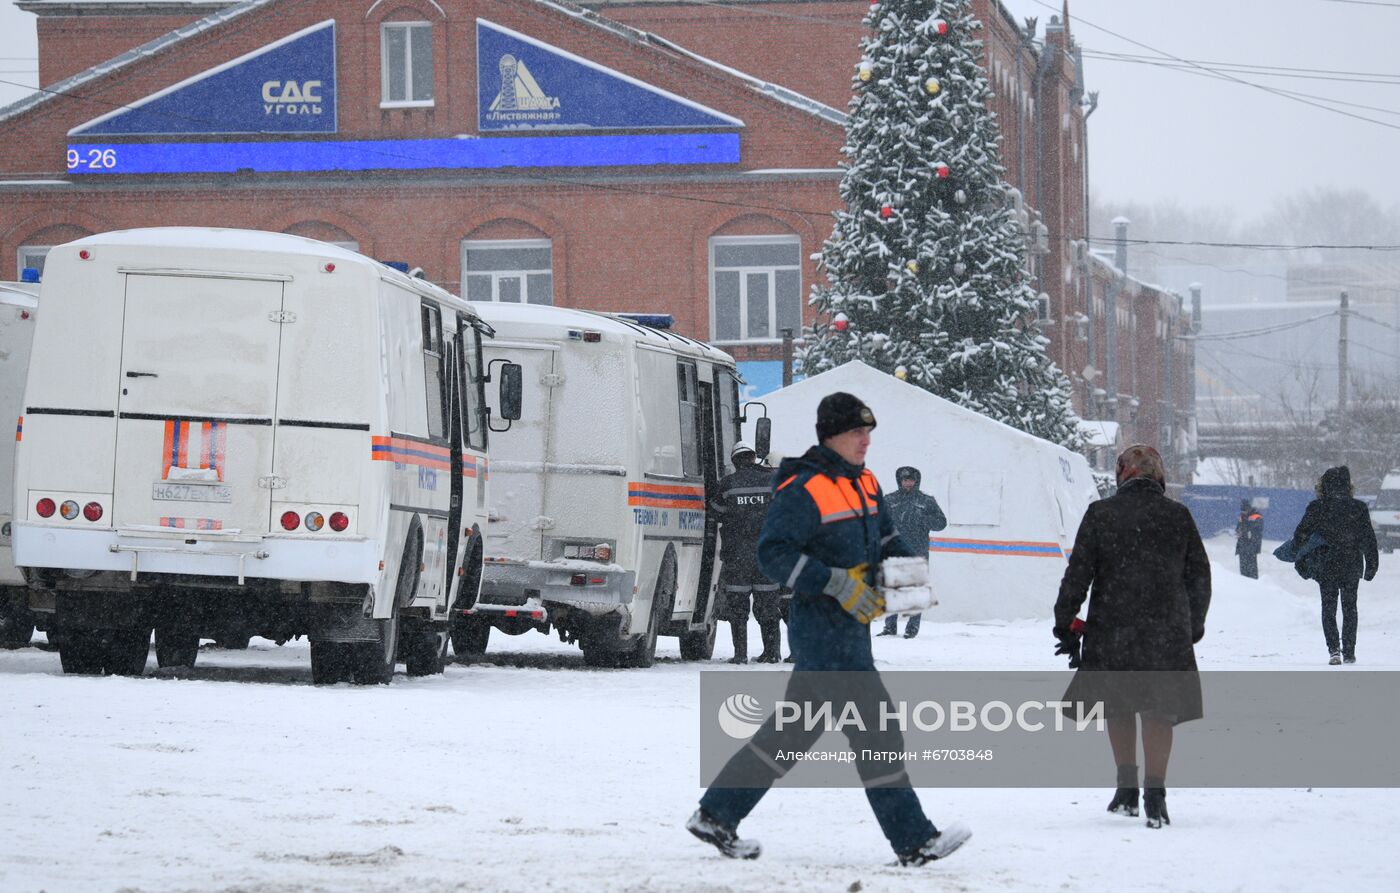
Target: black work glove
x,y
1068,644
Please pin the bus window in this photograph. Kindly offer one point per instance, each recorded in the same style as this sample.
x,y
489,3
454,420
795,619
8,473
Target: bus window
x,y
434,371
727,414
688,394
473,394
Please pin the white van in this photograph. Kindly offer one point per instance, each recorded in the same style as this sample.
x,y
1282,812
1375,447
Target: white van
x,y
598,525
18,306
230,432
1385,512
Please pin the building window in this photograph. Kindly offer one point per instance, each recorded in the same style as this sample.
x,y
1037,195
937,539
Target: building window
x,y
755,287
32,256
515,271
406,71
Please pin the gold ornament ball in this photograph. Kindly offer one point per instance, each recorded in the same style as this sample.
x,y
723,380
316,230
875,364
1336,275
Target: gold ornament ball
x,y
865,74
901,373
912,266
932,86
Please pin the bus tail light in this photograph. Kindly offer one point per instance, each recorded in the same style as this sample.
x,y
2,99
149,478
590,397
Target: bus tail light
x,y
44,508
339,521
290,520
69,510
93,511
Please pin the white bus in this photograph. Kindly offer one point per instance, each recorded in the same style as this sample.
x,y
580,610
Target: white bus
x,y
229,433
18,305
598,525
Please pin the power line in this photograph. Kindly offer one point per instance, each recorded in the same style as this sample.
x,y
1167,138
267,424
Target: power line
x,y
1254,333
1252,68
1281,91
1367,3
1253,246
1267,89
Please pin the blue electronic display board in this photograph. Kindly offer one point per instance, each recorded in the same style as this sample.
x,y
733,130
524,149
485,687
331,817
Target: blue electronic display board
x,y
585,150
526,84
285,87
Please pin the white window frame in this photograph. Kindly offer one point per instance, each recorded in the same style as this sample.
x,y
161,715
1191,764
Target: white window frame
x,y
28,249
744,272
497,275
384,101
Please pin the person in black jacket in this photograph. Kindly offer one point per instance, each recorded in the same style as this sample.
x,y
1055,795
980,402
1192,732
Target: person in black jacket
x,y
1345,524
740,503
1143,557
1249,538
915,513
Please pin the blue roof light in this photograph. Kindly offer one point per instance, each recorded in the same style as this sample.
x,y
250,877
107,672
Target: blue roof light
x,y
655,320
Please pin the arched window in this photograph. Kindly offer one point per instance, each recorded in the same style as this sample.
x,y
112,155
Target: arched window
x,y
755,287
405,61
33,251
508,261
324,232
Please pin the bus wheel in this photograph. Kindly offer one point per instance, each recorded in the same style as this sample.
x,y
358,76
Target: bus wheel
x,y
644,654
174,649
425,649
700,644
470,637
127,651
81,653
330,662
373,662
16,628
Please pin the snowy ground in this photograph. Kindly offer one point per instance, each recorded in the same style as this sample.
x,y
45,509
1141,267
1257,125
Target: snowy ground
x,y
530,772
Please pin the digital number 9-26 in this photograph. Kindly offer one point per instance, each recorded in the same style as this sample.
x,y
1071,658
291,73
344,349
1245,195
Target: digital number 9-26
x,y
92,159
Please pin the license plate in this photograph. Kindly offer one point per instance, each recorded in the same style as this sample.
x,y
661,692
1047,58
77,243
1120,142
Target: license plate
x,y
168,492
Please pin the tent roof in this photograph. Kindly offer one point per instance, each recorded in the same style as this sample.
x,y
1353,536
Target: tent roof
x,y
856,377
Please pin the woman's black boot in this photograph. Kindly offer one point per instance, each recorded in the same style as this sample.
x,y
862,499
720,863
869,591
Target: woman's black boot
x,y
1154,796
1125,799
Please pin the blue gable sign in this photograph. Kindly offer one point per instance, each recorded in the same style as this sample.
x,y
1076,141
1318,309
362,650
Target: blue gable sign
x,y
526,84
285,87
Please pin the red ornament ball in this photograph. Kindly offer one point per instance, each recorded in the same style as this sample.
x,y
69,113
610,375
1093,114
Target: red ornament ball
x,y
886,212
840,323
940,27
943,171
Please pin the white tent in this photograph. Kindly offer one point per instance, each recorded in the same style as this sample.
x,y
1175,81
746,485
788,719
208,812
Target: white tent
x,y
1013,501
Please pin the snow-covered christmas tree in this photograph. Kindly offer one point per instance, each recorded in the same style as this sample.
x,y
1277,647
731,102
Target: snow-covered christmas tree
x,y
926,264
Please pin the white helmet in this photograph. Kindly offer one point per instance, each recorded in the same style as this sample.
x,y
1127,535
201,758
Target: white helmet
x,y
742,446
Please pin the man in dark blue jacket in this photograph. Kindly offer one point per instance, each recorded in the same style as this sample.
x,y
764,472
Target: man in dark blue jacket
x,y
826,533
915,515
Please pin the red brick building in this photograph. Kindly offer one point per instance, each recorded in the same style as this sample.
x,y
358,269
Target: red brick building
x,y
656,155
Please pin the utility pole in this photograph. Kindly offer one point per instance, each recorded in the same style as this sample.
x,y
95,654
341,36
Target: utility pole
x,y
1343,429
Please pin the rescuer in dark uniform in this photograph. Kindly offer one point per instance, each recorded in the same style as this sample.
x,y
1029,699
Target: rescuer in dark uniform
x,y
740,505
1249,537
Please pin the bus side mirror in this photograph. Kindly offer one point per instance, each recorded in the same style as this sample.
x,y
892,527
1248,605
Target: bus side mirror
x,y
512,387
763,436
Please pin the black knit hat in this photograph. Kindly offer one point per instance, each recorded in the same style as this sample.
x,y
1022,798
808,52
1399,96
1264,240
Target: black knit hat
x,y
841,412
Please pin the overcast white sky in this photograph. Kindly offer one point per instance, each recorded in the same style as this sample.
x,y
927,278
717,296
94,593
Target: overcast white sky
x,y
1162,133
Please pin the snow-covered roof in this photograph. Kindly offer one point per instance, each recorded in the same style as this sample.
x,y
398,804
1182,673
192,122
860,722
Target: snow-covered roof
x,y
226,239
118,62
636,35
559,320
20,294
773,91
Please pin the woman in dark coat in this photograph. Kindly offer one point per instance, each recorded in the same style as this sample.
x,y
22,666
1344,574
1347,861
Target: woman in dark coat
x,y
1345,525
1150,578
